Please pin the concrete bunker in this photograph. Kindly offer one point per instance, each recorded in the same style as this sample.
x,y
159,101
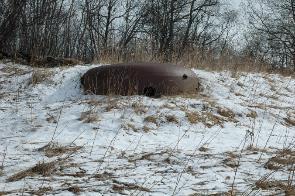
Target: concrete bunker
x,y
150,79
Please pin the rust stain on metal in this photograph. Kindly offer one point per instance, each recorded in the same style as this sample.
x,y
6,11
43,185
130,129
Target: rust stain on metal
x,y
150,79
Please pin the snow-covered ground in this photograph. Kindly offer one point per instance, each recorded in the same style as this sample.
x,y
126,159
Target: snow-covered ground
x,y
236,136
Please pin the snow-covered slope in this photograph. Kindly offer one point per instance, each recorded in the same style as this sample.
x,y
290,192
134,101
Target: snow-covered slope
x,y
236,136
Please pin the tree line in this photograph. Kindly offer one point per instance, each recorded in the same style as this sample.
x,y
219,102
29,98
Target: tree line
x,y
156,29
272,31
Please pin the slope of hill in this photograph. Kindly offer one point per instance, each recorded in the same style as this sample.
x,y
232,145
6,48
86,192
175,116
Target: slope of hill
x,y
235,137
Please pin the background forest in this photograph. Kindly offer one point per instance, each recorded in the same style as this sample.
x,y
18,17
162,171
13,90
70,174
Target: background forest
x,y
209,33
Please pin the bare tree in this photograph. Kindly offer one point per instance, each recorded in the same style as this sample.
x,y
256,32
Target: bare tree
x,y
91,29
276,21
10,13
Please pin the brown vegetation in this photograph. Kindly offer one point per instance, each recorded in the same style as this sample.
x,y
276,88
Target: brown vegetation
x,y
151,119
252,114
283,159
226,112
41,75
172,119
74,189
121,186
275,185
51,33
89,117
207,118
41,168
52,149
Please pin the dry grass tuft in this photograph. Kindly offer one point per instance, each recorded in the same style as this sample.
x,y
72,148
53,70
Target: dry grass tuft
x,y
283,158
151,119
207,118
112,104
269,96
146,156
225,112
13,70
255,149
89,117
252,114
74,189
203,149
130,126
104,176
211,120
122,186
168,106
146,129
231,160
42,168
2,193
172,119
290,120
275,185
51,119
239,95
52,150
42,191
192,117
93,102
139,108
41,75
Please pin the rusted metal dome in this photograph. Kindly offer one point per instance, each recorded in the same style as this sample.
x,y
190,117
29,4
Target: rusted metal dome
x,y
150,79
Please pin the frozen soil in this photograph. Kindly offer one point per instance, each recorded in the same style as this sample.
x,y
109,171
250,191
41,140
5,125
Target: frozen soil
x,y
234,137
